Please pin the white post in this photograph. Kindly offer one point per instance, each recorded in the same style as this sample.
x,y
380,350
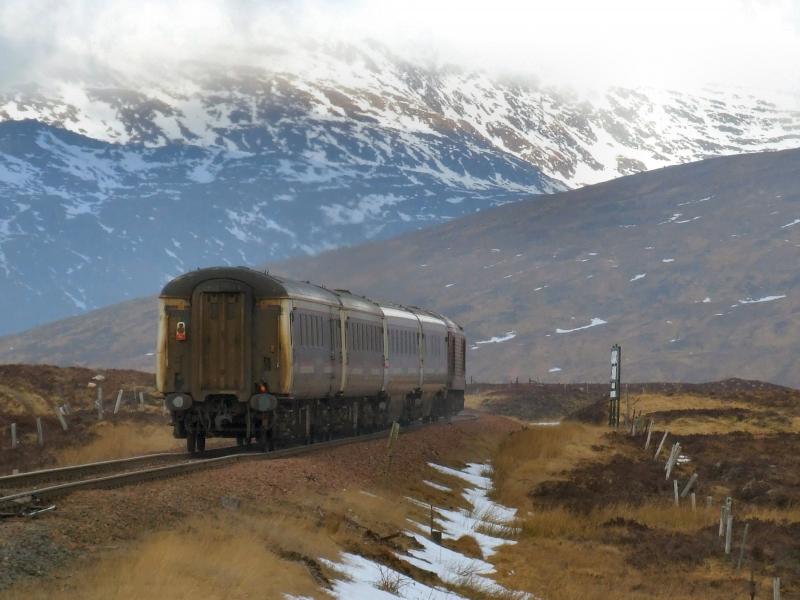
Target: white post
x,y
661,445
39,431
776,588
689,485
119,401
61,419
728,534
675,488
14,441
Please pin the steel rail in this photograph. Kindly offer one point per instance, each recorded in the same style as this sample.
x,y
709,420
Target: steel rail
x,y
17,480
189,466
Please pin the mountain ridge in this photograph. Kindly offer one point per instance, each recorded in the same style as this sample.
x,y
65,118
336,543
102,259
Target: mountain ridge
x,y
690,268
238,165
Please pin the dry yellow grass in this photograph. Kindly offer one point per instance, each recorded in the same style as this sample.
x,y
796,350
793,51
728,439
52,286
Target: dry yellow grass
x,y
532,455
121,440
24,403
222,557
560,523
659,402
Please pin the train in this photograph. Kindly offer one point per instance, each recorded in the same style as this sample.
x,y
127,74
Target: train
x,y
266,360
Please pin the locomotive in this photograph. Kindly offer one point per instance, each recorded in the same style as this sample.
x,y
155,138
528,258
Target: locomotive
x,y
248,355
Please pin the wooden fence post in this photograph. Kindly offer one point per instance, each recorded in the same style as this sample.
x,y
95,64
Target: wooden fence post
x,y
689,484
728,534
649,434
676,452
661,445
776,588
39,431
119,401
14,440
694,502
741,548
61,419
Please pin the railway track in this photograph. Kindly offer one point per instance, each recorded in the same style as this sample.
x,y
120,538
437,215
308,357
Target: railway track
x,y
19,497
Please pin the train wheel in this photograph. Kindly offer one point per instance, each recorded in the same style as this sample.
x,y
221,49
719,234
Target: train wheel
x,y
191,442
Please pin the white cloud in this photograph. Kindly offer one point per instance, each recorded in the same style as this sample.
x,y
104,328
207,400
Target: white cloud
x,y
579,43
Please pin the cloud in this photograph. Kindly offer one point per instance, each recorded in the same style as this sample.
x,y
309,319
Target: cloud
x,y
579,43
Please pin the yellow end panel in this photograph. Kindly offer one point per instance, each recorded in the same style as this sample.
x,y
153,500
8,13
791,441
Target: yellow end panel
x,y
170,355
162,360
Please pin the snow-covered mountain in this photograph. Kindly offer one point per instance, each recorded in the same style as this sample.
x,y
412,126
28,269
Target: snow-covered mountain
x,y
108,190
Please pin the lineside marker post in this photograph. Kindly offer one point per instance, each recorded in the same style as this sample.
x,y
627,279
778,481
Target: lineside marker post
x,y
39,431
118,402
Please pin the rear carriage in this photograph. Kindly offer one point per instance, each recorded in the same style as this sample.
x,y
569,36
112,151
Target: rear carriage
x,y
248,355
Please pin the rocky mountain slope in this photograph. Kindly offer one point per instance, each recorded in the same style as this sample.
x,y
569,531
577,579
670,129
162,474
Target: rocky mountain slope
x,y
691,268
108,190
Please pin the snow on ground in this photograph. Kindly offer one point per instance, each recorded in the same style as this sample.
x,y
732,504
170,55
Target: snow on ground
x,y
594,323
638,276
759,300
364,579
366,575
667,260
437,486
510,335
554,370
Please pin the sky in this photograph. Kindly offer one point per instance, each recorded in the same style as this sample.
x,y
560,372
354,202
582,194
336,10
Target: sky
x,y
752,44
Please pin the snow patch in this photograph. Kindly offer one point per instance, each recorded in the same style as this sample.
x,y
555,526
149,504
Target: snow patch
x,y
510,335
594,323
764,299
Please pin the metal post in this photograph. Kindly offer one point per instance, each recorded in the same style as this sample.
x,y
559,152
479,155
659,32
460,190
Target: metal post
x,y
675,488
118,402
616,377
39,431
14,441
